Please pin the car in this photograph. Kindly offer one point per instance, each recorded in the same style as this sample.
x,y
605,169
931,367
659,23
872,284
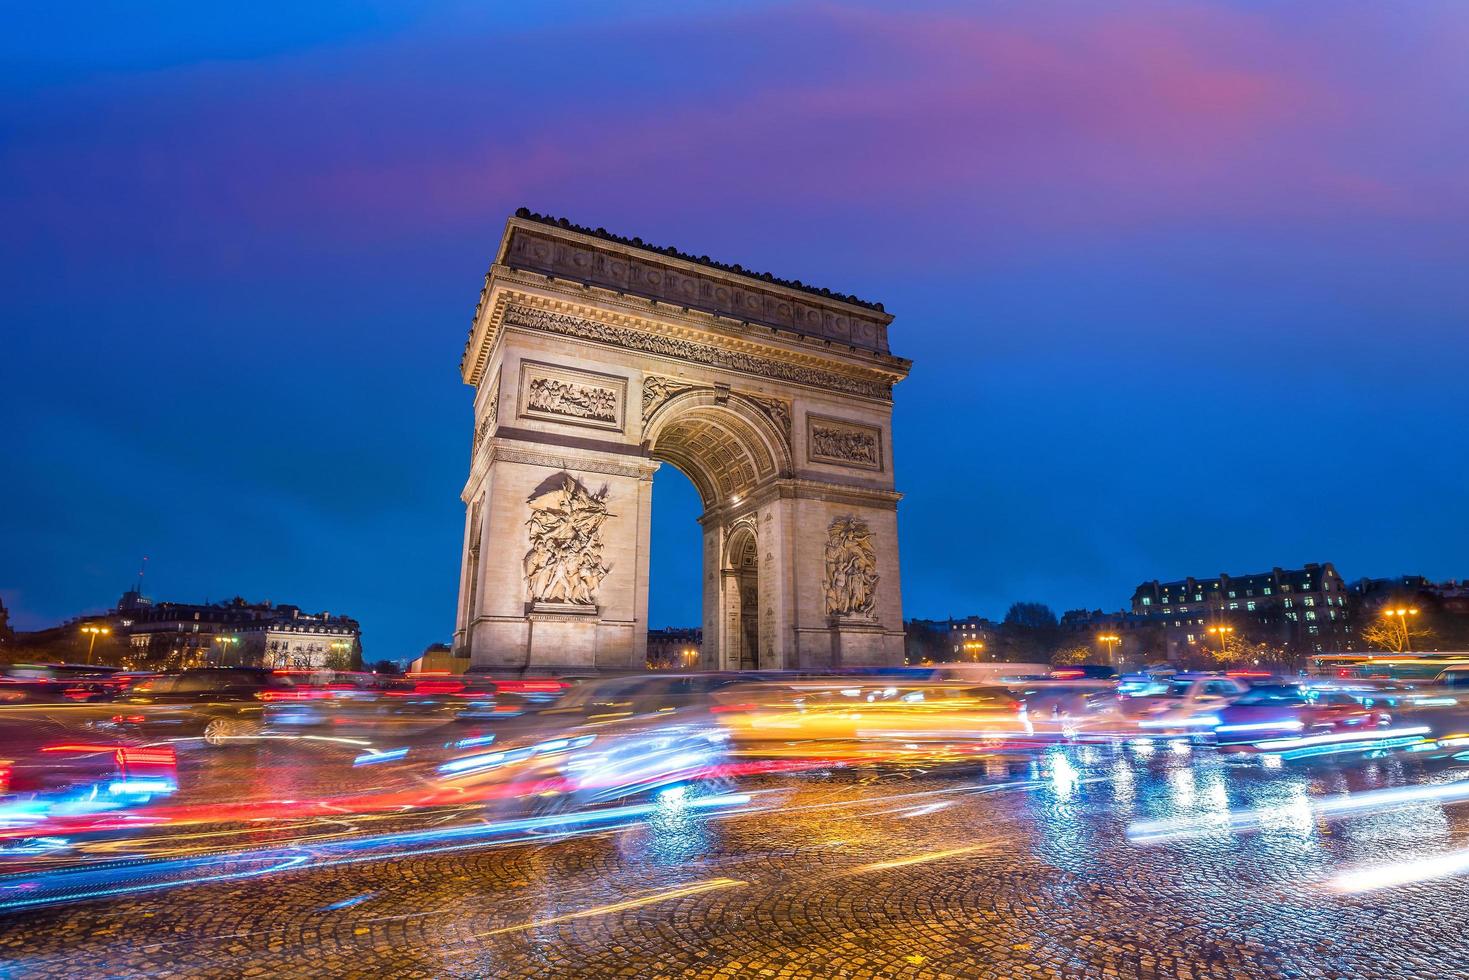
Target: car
x,y
27,683
1272,711
1189,704
215,704
49,768
880,715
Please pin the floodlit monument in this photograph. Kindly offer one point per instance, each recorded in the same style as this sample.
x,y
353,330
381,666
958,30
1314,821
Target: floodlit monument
x,y
597,358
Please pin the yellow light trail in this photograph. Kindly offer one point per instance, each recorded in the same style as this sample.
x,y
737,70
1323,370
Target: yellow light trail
x,y
920,858
712,884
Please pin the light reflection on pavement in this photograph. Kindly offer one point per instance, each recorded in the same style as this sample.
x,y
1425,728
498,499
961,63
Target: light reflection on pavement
x,y
1007,867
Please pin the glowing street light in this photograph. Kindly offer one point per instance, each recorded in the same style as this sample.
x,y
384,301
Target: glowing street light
x,y
973,648
1402,613
225,643
94,631
1111,640
1223,633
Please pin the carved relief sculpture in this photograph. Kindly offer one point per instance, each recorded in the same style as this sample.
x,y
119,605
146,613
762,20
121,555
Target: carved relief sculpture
x,y
687,350
657,390
779,412
564,563
843,443
487,424
577,401
562,394
851,569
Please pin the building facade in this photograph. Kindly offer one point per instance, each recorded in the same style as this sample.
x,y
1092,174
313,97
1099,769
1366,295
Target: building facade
x,y
672,648
1302,611
174,635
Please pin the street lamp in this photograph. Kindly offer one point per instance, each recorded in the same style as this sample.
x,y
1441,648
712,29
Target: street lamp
x,y
225,642
973,648
1111,640
1223,633
94,631
1402,613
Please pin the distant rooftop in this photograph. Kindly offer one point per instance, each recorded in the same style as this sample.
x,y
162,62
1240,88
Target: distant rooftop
x,y
739,270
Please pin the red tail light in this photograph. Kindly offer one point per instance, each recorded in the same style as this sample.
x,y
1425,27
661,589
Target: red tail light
x,y
531,687
719,708
133,756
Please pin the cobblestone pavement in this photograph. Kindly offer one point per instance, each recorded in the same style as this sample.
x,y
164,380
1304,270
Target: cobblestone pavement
x,y
1018,869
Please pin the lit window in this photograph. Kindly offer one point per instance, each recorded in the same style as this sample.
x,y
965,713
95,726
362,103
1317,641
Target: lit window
x,y
1234,605
1291,616
1231,593
1267,590
1183,608
1310,614
1147,601
1199,596
1191,638
1249,607
1166,610
1289,603
1310,600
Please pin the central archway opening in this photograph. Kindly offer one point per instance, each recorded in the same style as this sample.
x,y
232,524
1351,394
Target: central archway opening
x,y
675,569
731,450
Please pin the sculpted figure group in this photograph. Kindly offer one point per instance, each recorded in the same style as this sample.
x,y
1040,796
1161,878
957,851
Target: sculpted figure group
x,y
858,447
851,568
574,400
564,563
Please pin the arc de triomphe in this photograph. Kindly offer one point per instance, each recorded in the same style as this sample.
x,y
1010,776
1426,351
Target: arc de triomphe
x,y
596,358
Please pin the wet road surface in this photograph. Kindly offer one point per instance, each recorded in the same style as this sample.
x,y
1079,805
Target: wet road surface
x,y
1008,868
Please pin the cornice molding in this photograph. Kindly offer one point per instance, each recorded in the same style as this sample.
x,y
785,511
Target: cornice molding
x,y
506,287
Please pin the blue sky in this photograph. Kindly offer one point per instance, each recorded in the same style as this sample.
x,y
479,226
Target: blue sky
x,y
1182,282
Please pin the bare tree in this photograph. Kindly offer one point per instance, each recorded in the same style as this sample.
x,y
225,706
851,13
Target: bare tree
x,y
1396,635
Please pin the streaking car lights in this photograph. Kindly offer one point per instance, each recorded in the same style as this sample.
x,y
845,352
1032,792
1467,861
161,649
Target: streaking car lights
x,y
489,760
1283,725
1327,807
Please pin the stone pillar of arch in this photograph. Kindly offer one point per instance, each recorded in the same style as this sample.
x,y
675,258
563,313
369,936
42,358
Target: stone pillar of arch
x,y
595,360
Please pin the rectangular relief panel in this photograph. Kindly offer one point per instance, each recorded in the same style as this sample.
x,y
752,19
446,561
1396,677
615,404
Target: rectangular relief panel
x,y
561,394
843,443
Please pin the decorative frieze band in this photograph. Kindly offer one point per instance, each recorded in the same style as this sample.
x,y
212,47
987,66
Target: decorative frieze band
x,y
648,342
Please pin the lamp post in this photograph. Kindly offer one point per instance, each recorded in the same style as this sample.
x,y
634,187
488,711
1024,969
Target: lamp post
x,y
225,643
1110,640
1402,613
973,648
1223,633
95,631
343,646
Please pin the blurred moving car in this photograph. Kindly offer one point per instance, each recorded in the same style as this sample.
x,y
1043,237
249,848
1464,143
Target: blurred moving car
x,y
839,714
28,683
1190,703
47,768
217,704
1270,711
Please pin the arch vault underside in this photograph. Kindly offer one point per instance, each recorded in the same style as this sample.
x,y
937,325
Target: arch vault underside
x,y
583,391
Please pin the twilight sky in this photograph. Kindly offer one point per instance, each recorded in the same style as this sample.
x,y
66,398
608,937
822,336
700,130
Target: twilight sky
x,y
1183,283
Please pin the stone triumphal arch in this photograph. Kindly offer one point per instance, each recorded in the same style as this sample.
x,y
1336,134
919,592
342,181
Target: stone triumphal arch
x,y
597,358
